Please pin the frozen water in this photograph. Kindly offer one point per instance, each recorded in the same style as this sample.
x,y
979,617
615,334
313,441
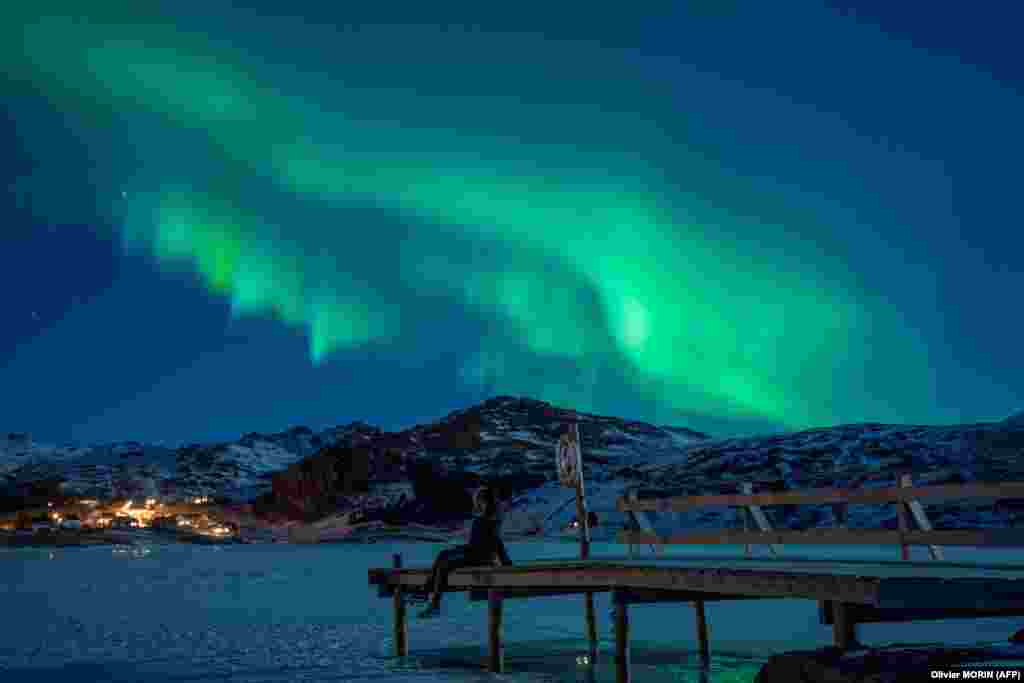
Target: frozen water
x,y
277,612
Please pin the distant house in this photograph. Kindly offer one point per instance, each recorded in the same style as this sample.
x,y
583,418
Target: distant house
x,y
124,522
105,519
224,529
192,520
165,522
71,522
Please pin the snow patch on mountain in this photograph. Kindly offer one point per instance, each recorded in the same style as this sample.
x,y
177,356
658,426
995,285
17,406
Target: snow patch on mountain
x,y
514,440
18,449
846,456
240,470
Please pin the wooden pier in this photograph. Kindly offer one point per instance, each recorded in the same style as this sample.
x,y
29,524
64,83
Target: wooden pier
x,y
848,592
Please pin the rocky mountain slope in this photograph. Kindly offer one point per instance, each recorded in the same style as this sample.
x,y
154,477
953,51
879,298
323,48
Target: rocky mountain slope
x,y
240,470
851,456
424,473
507,441
503,435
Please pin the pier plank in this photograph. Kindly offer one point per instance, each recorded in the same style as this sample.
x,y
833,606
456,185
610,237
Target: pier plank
x,y
891,585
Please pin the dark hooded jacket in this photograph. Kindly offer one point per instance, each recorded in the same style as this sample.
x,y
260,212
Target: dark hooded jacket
x,y
485,540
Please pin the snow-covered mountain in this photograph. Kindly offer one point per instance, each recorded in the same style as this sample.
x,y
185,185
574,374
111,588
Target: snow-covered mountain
x,y
848,456
513,440
621,455
239,469
506,434
506,440
503,437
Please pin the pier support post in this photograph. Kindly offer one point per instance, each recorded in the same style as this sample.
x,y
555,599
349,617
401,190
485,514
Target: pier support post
x,y
401,633
702,631
745,513
622,674
583,517
902,517
844,628
588,604
495,649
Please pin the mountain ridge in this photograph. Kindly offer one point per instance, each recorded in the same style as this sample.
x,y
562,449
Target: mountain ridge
x,y
512,441
242,469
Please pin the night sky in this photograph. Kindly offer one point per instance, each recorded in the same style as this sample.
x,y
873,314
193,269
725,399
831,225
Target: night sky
x,y
727,216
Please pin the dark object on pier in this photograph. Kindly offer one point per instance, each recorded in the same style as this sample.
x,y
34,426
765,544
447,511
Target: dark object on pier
x,y
882,665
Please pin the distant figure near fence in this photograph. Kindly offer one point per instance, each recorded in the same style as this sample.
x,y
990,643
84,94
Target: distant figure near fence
x,y
484,548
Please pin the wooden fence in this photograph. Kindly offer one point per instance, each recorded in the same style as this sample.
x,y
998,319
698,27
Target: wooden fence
x,y
905,497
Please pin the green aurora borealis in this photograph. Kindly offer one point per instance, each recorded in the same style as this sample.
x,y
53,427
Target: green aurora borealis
x,y
586,218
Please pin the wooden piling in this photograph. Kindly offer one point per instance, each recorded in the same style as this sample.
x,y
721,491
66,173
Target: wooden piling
x,y
401,632
588,604
495,649
583,518
631,525
902,517
622,674
844,628
702,631
747,549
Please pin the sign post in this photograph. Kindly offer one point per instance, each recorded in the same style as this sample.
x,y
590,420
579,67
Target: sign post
x,y
570,473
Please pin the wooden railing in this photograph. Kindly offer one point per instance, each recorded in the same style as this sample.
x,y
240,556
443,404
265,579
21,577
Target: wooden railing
x,y
757,529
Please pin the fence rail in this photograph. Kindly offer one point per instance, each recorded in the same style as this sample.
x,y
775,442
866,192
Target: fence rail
x,y
823,496
905,497
996,538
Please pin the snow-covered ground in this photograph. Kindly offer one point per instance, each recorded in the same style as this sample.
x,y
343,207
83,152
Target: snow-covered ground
x,y
262,613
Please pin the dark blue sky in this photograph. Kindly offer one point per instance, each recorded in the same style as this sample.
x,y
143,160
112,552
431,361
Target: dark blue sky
x,y
866,159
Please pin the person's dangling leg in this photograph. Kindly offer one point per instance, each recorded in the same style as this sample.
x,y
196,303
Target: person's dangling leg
x,y
437,576
454,558
447,560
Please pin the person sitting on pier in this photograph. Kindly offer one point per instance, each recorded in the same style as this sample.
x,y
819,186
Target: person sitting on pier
x,y
484,548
